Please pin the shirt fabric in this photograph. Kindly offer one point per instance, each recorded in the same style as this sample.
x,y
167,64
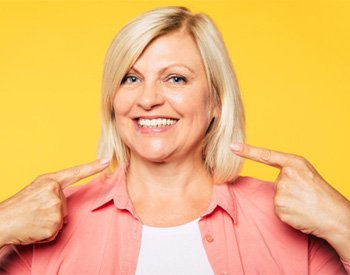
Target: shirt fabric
x,y
240,232
173,250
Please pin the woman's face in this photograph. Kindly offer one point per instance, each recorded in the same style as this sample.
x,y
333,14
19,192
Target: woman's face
x,y
162,107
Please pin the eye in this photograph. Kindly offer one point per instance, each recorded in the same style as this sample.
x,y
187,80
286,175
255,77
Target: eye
x,y
177,79
130,79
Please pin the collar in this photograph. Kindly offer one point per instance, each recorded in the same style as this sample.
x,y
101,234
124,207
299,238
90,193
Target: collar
x,y
114,188
223,198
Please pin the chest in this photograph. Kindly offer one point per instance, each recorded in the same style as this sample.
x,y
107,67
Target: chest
x,y
110,243
173,250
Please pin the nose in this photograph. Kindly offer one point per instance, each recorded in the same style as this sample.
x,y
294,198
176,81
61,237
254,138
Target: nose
x,y
150,96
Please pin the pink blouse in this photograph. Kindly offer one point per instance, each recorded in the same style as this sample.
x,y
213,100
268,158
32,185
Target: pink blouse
x,y
240,231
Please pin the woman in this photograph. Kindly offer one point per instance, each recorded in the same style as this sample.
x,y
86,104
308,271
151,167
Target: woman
x,y
175,203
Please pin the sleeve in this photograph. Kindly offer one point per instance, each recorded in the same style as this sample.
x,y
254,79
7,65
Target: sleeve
x,y
16,260
323,260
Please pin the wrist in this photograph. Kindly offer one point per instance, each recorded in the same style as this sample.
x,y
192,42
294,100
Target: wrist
x,y
5,227
4,239
339,235
341,245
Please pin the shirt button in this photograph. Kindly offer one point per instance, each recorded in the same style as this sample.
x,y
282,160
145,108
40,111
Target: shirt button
x,y
209,238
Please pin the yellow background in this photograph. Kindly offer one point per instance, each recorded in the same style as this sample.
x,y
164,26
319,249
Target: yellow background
x,y
292,60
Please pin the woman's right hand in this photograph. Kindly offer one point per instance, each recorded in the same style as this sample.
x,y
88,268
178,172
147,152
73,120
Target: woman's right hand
x,y
36,213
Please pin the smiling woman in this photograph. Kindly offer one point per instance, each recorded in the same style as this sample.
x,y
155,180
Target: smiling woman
x,y
184,36
174,202
169,86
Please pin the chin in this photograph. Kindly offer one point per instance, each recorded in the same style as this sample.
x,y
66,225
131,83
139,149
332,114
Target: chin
x,y
158,157
156,151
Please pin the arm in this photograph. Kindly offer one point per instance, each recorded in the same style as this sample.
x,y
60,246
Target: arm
x,y
304,200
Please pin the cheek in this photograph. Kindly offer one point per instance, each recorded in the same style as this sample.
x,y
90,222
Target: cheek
x,y
195,103
122,103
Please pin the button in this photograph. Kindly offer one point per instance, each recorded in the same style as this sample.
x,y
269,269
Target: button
x,y
209,238
224,273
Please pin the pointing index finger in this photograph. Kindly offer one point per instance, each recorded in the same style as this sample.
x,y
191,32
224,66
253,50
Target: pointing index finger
x,y
71,175
266,156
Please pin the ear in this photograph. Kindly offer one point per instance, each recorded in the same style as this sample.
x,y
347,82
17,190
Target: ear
x,y
213,112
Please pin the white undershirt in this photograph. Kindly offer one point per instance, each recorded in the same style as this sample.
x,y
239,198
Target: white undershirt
x,y
173,250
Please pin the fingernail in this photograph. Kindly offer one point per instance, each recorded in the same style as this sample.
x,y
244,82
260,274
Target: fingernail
x,y
236,147
105,161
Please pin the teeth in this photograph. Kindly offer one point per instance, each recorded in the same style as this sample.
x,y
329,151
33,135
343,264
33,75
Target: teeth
x,y
155,123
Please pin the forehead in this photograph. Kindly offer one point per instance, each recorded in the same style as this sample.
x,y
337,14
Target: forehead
x,y
177,47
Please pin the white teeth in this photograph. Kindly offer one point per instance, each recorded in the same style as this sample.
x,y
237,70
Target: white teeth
x,y
155,123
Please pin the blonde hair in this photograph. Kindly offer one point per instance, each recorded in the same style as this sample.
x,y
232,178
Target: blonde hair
x,y
126,48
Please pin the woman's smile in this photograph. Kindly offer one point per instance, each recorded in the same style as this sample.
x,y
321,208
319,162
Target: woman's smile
x,y
154,125
155,122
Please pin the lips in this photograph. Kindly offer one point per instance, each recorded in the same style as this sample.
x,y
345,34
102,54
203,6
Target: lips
x,y
158,122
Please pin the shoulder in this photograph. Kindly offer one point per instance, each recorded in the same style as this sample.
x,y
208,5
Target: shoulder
x,y
251,183
101,188
248,187
92,186
254,200
85,192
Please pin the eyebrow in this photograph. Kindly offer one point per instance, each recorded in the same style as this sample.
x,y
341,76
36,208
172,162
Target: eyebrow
x,y
166,68
178,65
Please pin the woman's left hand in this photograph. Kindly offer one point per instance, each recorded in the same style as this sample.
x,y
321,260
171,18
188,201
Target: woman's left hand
x,y
303,199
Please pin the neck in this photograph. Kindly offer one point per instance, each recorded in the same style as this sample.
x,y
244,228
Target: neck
x,y
168,177
168,193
